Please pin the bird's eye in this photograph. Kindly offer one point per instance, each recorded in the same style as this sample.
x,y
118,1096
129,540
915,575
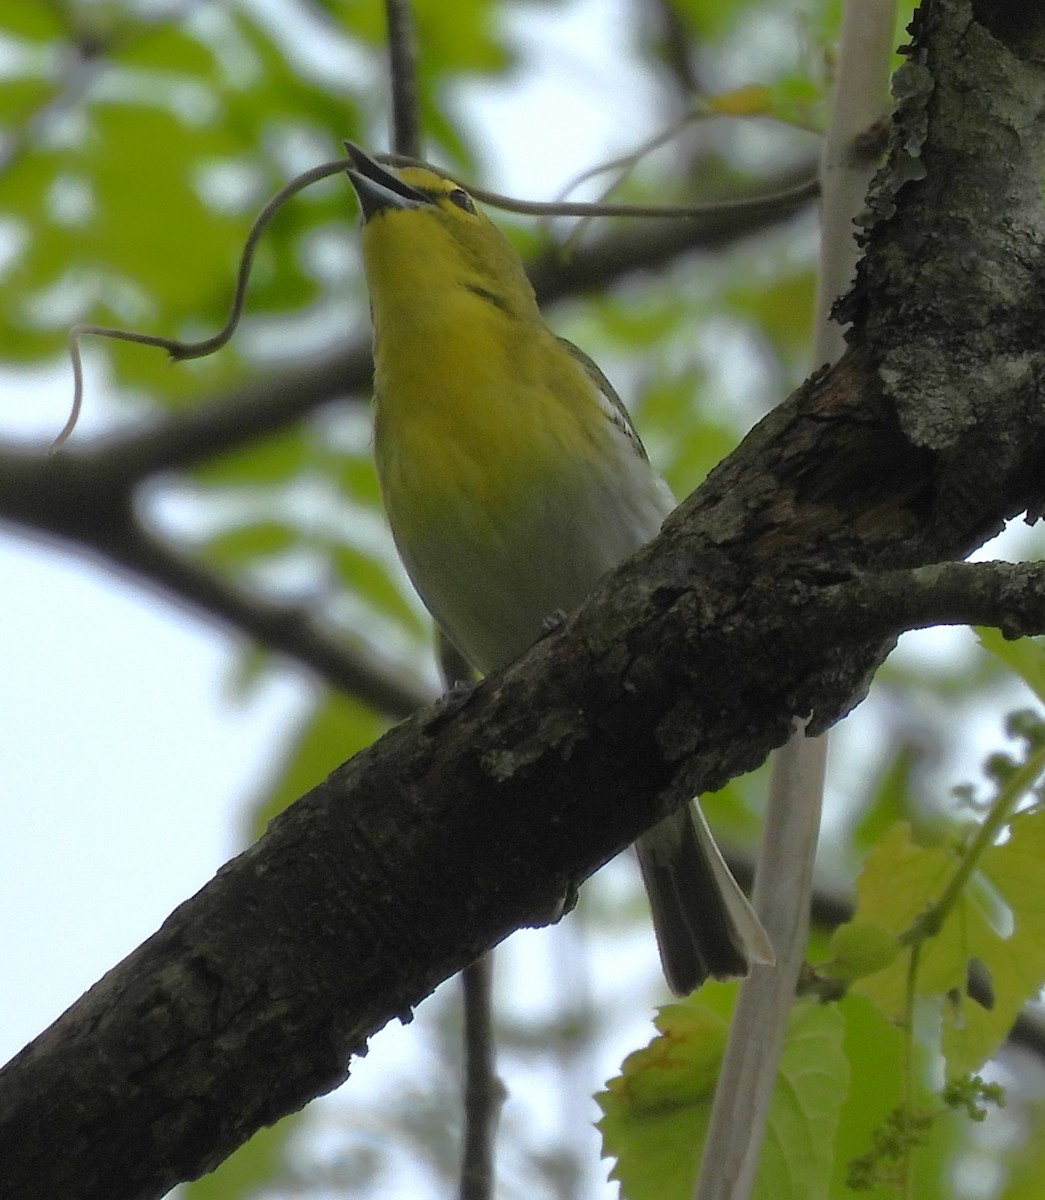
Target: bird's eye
x,y
461,198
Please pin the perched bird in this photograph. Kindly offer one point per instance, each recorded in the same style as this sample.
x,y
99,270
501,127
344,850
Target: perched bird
x,y
513,479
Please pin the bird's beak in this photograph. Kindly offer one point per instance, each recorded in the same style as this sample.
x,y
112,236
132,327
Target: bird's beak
x,y
377,188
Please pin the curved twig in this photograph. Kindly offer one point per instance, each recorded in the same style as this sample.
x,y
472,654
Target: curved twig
x,y
177,349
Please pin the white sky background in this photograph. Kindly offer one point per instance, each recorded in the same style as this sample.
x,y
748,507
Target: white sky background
x,y
126,763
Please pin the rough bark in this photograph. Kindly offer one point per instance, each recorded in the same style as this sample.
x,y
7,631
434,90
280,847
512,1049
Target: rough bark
x,y
686,668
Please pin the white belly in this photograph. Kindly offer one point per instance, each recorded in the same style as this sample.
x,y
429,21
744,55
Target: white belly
x,y
491,579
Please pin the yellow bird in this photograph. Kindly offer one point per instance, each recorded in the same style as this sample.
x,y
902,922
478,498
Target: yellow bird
x,y
513,479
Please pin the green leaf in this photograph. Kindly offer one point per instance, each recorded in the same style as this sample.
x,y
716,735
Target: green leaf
x,y
335,730
369,578
169,48
888,801
149,223
873,1049
245,543
31,20
812,1082
656,1112
1025,656
245,1173
897,884
1014,963
261,464
859,948
900,881
21,96
779,303
1024,1162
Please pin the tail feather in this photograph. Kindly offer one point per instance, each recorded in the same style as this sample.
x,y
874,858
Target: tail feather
x,y
703,921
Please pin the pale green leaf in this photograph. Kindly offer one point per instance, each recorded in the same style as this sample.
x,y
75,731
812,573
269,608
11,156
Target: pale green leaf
x,y
1025,656
656,1112
859,948
246,1172
247,543
999,920
1015,963
329,735
812,1082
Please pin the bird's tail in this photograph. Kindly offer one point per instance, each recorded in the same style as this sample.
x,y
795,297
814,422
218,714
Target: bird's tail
x,y
703,921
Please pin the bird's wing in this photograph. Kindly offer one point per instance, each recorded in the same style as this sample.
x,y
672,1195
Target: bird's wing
x,y
611,404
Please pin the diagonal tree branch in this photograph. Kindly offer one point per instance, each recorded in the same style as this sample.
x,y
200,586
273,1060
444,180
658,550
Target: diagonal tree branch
x,y
68,498
477,815
687,666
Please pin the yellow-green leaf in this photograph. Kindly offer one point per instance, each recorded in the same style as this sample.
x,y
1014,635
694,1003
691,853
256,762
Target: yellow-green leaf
x,y
1025,656
656,1112
330,734
859,948
899,882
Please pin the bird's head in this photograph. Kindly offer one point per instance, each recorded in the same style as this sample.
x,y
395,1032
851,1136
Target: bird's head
x,y
424,234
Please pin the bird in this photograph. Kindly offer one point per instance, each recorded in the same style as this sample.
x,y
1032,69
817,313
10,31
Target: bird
x,y
513,480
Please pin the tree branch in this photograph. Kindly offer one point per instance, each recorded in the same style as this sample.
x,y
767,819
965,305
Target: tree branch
x,y
402,62
67,497
686,667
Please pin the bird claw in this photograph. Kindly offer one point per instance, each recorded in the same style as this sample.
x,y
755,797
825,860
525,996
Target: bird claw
x,y
553,621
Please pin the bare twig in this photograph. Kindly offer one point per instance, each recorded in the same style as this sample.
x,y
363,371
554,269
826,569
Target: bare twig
x,y
177,349
402,61
483,1092
766,203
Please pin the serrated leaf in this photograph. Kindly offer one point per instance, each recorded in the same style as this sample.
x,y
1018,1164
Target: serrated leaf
x,y
656,1112
812,1082
897,884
